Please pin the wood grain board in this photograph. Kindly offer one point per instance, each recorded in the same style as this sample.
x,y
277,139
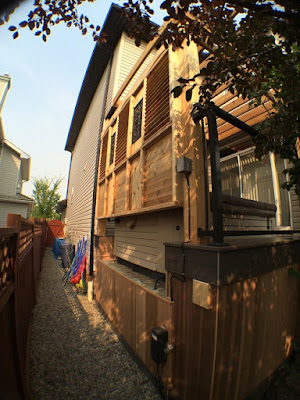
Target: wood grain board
x,y
263,318
134,311
158,172
136,182
120,191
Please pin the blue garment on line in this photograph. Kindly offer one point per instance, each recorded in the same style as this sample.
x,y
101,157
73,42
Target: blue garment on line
x,y
56,247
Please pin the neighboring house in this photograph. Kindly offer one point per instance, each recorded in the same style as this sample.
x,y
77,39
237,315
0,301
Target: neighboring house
x,y
61,209
229,305
110,64
14,170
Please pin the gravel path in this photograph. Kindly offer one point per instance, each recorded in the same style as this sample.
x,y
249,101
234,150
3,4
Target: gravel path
x,y
74,354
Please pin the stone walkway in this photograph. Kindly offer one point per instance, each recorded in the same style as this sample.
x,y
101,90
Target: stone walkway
x,y
74,354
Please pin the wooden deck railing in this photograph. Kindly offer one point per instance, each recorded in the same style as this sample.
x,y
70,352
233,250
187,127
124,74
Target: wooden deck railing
x,y
21,251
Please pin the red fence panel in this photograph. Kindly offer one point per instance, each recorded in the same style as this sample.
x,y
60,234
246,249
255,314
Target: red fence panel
x,y
11,382
21,251
55,229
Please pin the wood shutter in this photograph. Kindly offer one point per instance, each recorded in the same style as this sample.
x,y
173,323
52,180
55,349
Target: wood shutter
x,y
103,156
157,98
122,135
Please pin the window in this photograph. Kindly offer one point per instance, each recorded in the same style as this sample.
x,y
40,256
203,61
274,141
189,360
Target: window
x,y
243,175
112,148
137,121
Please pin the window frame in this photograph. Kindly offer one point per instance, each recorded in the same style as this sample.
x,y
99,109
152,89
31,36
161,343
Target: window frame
x,y
112,132
274,171
134,101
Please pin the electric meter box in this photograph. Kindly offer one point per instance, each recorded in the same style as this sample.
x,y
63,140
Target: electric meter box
x,y
184,165
159,339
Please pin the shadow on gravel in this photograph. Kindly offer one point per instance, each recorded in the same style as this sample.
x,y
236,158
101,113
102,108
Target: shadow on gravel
x,y
73,351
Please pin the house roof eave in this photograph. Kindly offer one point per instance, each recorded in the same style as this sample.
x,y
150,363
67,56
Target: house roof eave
x,y
113,27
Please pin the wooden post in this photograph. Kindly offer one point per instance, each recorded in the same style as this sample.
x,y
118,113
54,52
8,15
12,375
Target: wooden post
x,y
13,221
216,178
187,141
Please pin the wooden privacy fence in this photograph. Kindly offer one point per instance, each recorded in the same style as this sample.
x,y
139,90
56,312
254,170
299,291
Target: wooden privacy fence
x,y
21,251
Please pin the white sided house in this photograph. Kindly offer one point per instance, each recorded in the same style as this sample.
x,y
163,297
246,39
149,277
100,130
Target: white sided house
x,y
196,278
14,170
109,66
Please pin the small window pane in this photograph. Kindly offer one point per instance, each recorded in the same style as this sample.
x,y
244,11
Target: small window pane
x,y
230,177
284,196
257,179
137,121
112,149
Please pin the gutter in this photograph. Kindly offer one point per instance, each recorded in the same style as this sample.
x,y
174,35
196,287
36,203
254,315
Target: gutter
x,y
19,201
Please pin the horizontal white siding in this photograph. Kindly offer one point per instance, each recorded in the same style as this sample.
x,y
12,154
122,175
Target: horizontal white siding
x,y
141,239
113,80
125,57
128,51
82,172
9,172
11,208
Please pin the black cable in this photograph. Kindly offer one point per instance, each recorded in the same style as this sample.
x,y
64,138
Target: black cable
x,y
205,175
189,204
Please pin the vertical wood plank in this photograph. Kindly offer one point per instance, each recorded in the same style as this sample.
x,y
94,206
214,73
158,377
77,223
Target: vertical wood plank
x,y
187,141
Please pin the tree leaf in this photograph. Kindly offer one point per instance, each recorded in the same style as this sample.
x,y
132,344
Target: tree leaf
x,y
15,35
12,28
188,94
177,90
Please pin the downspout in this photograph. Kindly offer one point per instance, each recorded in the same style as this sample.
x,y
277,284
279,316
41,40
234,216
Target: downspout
x,y
91,269
71,158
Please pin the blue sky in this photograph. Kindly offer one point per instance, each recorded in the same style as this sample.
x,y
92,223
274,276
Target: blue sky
x,y
46,80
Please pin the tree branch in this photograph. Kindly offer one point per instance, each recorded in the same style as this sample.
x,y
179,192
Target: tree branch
x,y
264,8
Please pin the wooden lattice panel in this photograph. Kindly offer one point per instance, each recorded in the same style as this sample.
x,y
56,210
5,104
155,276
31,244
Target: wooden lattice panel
x,y
240,108
7,260
103,156
122,135
157,98
26,238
